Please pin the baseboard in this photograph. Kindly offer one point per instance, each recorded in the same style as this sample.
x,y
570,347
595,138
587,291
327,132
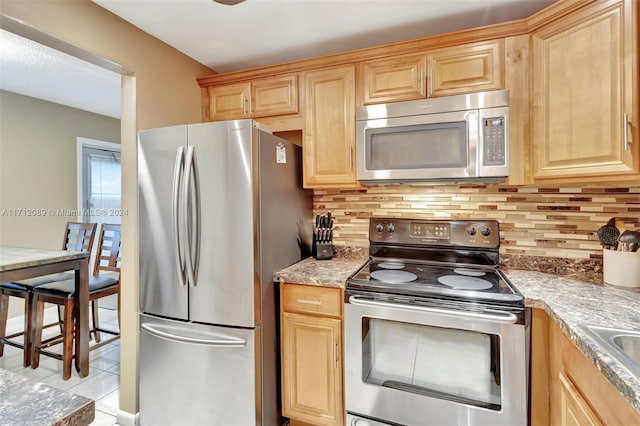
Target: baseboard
x,y
124,418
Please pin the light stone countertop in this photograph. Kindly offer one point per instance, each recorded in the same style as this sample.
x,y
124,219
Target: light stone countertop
x,y
26,402
569,303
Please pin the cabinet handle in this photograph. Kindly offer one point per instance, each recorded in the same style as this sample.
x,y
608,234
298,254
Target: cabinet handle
x,y
625,131
335,352
250,106
430,81
351,158
244,103
309,302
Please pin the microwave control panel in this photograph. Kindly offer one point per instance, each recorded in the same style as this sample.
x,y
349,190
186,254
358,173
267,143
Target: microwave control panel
x,y
493,130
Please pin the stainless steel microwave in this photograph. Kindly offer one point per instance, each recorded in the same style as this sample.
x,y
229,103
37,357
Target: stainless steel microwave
x,y
454,138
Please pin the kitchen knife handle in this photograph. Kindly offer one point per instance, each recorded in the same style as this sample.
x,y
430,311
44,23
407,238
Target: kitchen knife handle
x,y
175,208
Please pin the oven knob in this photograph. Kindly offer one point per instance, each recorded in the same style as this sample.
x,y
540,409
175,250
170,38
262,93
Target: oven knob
x,y
471,230
390,227
485,230
379,227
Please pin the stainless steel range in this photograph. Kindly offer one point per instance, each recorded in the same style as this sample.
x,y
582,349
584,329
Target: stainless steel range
x,y
435,334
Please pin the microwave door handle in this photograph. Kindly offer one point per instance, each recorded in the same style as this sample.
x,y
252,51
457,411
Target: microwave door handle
x,y
506,317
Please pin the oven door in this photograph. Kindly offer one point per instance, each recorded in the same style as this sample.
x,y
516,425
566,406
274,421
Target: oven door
x,y
424,365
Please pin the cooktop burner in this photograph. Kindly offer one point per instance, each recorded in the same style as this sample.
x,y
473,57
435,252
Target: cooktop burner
x,y
435,259
464,282
393,276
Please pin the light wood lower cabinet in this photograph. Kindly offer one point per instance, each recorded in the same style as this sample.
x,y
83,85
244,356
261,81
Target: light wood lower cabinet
x,y
573,409
567,389
311,343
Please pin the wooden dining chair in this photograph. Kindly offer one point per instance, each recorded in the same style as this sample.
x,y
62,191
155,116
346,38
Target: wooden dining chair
x,y
78,236
62,293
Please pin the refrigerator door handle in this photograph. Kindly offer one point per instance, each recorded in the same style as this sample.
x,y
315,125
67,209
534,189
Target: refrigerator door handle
x,y
192,187
175,209
215,340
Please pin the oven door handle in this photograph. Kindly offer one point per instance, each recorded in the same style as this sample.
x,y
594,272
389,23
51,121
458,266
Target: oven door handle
x,y
496,316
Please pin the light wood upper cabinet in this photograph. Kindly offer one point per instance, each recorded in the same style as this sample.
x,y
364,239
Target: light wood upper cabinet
x,y
399,78
274,96
311,342
329,127
464,69
585,95
229,102
262,97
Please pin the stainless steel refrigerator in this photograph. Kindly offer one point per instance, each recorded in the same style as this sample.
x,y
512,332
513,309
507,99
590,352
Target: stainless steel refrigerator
x,y
221,209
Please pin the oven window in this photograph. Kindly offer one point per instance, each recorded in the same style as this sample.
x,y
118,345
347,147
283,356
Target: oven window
x,y
440,145
457,365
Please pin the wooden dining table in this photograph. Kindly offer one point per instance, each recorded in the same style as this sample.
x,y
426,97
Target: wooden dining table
x,y
19,263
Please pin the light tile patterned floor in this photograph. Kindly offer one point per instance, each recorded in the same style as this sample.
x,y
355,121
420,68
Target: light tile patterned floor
x,y
103,382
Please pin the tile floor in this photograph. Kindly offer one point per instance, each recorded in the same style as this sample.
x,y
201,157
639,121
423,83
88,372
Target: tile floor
x,y
103,382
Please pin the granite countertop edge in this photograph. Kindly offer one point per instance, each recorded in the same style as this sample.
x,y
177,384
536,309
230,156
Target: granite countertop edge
x,y
570,303
31,403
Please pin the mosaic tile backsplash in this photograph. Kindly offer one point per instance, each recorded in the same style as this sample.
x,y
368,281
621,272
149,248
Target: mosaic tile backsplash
x,y
541,228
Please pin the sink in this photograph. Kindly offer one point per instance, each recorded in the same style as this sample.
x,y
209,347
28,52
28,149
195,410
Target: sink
x,y
622,344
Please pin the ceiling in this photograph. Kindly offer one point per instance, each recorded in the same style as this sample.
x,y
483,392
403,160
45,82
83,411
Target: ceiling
x,y
250,34
33,69
266,32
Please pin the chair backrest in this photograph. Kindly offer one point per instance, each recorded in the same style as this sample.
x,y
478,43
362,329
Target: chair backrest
x,y
108,253
79,236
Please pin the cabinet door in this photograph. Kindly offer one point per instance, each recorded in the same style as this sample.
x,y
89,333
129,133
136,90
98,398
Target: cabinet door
x,y
311,369
465,69
584,85
229,102
574,410
329,127
400,78
274,96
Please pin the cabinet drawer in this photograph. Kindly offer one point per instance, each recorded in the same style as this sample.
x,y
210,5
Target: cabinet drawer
x,y
312,300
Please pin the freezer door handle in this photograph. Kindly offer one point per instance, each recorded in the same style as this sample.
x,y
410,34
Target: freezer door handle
x,y
175,211
191,205
213,340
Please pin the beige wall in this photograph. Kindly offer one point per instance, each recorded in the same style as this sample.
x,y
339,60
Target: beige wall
x,y
164,92
38,171
38,168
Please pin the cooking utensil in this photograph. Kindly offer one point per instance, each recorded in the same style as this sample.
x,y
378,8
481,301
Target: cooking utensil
x,y
629,240
608,235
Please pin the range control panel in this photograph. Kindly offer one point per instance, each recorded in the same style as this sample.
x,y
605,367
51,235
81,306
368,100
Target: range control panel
x,y
420,232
